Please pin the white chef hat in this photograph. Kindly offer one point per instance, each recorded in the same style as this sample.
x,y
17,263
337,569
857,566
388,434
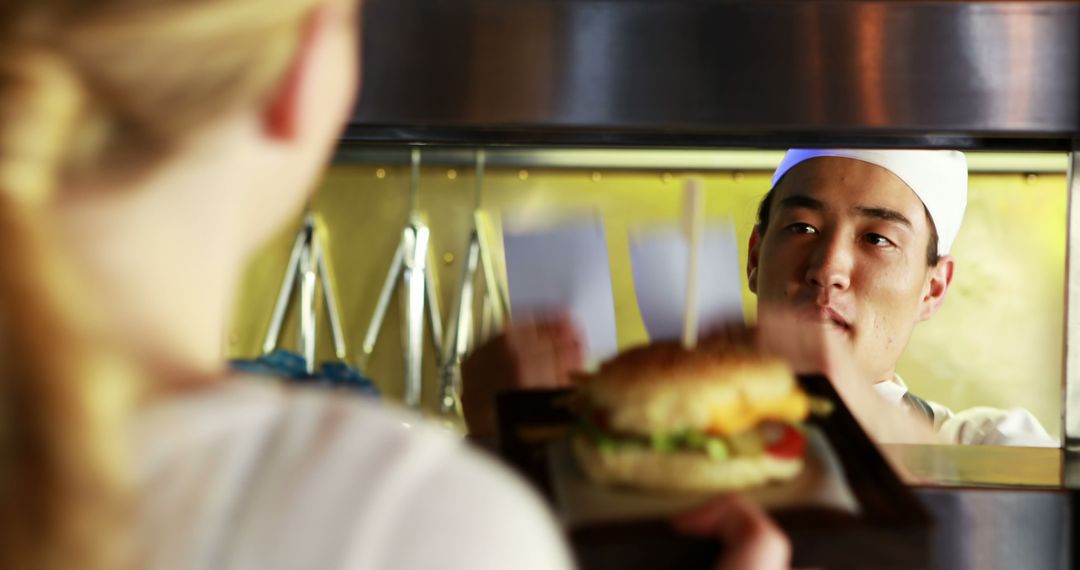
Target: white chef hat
x,y
937,177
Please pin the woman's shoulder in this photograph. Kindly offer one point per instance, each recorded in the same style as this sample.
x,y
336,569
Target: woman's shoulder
x,y
294,477
260,430
278,421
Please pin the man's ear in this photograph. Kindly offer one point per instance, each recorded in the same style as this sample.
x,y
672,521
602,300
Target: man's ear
x,y
752,257
282,115
937,285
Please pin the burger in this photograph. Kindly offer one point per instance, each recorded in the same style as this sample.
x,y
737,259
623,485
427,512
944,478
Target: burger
x,y
717,417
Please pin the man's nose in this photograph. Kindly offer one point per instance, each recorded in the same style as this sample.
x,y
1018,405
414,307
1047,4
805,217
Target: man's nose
x,y
830,264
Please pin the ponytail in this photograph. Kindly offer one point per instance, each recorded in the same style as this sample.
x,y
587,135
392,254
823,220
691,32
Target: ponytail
x,y
60,444
94,91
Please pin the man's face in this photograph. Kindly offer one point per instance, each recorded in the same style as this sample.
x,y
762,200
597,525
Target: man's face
x,y
845,247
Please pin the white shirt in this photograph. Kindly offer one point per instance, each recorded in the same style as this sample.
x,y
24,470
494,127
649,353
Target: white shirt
x,y
251,474
977,426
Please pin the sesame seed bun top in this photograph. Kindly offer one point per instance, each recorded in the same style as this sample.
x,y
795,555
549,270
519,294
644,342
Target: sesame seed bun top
x,y
723,386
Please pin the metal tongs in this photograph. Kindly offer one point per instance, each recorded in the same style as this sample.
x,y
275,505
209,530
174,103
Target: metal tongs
x,y
460,324
307,264
411,264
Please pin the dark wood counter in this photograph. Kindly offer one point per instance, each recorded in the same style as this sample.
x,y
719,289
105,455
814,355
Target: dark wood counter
x,y
988,507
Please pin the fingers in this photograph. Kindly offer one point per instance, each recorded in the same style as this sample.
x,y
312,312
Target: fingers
x,y
726,334
567,347
718,517
783,334
750,537
538,352
545,349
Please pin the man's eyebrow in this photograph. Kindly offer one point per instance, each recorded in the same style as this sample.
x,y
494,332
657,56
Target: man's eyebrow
x,y
806,202
884,214
799,201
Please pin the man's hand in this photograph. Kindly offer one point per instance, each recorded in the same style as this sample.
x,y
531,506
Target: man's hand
x,y
538,352
810,350
751,540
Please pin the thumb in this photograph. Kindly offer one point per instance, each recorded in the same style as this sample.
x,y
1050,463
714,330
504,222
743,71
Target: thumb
x,y
751,539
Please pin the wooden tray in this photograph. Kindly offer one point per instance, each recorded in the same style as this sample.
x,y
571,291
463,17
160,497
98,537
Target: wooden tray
x,y
891,528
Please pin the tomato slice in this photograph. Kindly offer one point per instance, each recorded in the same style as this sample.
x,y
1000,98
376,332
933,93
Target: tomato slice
x,y
790,445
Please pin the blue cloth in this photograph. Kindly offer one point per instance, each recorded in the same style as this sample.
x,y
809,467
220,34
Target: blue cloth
x,y
292,367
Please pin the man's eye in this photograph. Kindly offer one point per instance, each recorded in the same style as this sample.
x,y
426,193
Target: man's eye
x,y
878,240
801,228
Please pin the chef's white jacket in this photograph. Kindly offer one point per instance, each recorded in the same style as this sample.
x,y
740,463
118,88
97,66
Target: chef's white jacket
x,y
976,426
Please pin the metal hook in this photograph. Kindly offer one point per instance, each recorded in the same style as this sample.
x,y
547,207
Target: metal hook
x,y
459,326
411,263
307,264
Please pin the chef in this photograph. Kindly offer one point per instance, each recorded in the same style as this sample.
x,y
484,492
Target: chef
x,y
855,243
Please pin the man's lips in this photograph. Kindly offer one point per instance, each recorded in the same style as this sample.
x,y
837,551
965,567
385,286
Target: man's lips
x,y
827,315
831,314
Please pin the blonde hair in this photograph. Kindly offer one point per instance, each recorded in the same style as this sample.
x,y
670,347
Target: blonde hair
x,y
94,91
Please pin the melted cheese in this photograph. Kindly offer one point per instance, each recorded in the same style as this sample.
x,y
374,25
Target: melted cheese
x,y
741,416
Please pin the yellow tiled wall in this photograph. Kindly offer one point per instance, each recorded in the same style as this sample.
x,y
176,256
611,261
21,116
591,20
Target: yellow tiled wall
x,y
997,342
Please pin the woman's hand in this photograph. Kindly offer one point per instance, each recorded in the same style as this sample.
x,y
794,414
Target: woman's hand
x,y
537,352
752,541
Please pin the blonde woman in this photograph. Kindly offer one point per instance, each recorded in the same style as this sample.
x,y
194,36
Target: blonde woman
x,y
146,147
